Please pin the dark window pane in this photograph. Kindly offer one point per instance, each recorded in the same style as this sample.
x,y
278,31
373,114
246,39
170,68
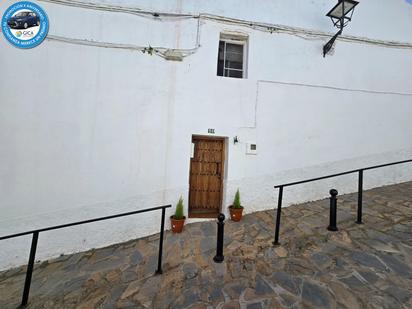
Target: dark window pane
x,y
234,57
235,74
234,48
220,59
234,64
220,68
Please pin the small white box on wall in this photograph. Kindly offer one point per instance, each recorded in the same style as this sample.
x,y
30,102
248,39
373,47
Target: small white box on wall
x,y
251,148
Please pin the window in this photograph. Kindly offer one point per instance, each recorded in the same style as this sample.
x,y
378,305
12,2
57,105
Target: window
x,y
231,57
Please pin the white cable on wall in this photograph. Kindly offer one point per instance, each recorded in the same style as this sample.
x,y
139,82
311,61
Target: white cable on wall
x,y
159,51
304,33
119,9
266,27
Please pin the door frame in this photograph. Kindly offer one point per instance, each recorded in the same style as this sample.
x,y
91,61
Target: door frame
x,y
223,176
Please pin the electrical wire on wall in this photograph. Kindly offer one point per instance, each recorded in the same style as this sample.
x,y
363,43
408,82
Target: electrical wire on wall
x,y
166,16
164,52
303,33
120,9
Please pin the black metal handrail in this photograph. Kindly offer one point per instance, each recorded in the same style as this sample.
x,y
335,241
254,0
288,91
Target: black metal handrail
x,y
36,232
360,191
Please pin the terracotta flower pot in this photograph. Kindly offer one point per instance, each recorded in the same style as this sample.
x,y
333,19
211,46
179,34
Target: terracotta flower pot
x,y
235,213
177,224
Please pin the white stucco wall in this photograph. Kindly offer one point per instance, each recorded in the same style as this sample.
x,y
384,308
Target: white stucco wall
x,y
89,131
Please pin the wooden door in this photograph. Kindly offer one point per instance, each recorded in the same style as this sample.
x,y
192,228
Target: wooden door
x,y
206,177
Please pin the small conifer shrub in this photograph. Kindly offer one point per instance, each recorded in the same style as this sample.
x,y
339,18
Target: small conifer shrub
x,y
236,201
179,210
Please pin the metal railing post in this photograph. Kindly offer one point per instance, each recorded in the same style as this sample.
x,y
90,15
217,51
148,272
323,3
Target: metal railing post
x,y
278,213
333,210
360,191
162,228
220,236
29,271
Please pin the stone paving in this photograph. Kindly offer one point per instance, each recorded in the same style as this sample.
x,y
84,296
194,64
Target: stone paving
x,y
360,266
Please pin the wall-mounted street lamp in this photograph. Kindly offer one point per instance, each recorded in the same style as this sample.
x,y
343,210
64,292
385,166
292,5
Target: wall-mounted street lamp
x,y
341,15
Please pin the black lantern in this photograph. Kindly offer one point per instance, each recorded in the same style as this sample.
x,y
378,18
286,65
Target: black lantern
x,y
341,15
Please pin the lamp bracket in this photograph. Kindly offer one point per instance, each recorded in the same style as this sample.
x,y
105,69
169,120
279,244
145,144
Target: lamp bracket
x,y
329,45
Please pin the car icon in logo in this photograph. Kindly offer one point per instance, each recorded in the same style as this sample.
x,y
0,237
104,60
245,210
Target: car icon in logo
x,y
23,20
24,24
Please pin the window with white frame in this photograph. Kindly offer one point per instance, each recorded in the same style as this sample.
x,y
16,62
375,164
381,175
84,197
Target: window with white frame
x,y
231,60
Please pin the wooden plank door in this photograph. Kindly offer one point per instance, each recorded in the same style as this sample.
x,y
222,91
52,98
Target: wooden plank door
x,y
206,177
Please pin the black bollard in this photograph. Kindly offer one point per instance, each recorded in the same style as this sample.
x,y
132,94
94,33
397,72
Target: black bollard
x,y
333,209
360,192
220,234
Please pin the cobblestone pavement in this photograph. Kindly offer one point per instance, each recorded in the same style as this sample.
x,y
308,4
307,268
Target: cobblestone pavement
x,y
360,266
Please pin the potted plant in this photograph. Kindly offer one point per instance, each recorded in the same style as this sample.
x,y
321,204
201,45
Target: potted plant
x,y
178,219
236,209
